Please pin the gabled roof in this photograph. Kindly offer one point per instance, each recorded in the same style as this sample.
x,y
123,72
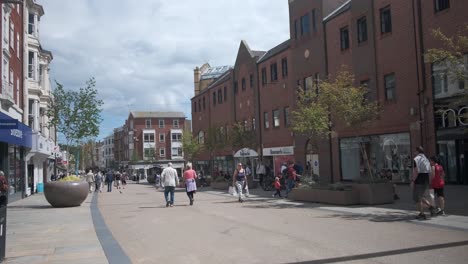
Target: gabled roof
x,y
338,11
158,114
253,53
272,52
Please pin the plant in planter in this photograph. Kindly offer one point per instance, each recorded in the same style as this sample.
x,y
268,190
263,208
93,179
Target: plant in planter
x,y
219,183
337,193
67,192
76,115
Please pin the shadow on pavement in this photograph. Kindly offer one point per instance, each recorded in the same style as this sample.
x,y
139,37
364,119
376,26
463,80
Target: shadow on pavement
x,y
387,217
30,207
386,253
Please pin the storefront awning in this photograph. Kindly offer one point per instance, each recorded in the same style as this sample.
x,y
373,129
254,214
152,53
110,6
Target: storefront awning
x,y
21,135
245,152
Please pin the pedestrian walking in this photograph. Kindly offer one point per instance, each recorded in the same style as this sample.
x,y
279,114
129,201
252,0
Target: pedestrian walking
x,y
190,177
291,177
438,184
169,180
118,179
277,188
109,180
90,180
124,179
98,181
238,180
420,183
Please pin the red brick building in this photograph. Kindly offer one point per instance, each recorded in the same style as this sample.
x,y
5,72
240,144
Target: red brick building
x,y
383,43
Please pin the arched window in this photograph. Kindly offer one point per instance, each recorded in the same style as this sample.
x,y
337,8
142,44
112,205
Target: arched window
x,y
201,137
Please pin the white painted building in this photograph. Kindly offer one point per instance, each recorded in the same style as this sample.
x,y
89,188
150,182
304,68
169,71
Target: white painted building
x,y
40,159
108,151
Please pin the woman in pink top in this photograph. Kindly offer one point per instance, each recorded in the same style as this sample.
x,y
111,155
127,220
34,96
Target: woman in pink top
x,y
190,183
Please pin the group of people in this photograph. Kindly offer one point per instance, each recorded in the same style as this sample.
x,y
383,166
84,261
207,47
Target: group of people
x,y
97,180
428,175
170,179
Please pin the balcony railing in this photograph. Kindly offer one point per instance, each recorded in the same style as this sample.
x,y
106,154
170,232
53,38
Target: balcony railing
x,y
7,95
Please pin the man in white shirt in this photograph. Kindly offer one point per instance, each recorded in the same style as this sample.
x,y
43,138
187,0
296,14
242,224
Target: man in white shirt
x,y
420,183
169,180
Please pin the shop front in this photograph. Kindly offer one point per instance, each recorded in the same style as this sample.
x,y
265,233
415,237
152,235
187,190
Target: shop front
x,y
274,158
15,141
248,157
452,143
385,156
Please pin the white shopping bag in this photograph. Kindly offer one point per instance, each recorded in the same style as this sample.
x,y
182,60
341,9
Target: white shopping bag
x,y
431,197
232,191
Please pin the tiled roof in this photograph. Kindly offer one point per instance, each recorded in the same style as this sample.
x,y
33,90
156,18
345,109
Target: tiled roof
x,y
158,114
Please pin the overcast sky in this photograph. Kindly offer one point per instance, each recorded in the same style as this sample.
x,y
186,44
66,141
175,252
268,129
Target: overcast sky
x,y
142,53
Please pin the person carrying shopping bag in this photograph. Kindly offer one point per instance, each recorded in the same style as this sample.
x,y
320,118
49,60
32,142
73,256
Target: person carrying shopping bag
x,y
190,184
239,179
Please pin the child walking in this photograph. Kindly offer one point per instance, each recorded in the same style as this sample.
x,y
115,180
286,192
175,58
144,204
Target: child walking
x,y
277,187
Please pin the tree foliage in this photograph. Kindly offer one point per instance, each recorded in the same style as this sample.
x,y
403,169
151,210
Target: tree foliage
x,y
337,101
190,145
76,114
241,136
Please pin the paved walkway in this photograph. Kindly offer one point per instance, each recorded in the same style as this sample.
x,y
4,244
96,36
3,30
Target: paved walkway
x,y
38,233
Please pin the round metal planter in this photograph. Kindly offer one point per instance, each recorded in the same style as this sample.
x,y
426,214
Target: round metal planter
x,y
66,194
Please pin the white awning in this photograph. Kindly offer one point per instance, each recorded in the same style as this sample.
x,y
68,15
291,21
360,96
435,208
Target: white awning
x,y
245,152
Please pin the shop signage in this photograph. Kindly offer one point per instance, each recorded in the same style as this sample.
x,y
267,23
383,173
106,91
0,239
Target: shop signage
x,y
280,151
21,135
8,124
458,115
245,152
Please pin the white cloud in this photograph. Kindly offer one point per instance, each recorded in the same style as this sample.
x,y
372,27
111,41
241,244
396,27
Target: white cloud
x,y
142,53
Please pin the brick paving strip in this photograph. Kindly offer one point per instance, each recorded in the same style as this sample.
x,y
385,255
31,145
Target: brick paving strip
x,y
111,247
39,233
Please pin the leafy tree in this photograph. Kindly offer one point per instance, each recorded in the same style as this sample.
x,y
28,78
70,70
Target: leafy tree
x,y
241,136
76,114
190,145
337,103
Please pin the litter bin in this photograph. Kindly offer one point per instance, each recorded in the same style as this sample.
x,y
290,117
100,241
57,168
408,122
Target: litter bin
x,y
3,215
40,187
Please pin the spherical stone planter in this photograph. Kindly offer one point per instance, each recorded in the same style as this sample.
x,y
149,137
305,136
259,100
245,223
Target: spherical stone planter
x,y
66,194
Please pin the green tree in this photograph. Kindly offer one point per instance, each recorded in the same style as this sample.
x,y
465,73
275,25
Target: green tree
x,y
242,136
76,114
338,103
190,146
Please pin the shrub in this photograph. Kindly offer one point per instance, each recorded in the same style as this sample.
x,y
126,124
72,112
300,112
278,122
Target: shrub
x,y
70,178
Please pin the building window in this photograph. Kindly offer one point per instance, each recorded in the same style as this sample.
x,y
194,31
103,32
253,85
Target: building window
x,y
18,45
148,138
253,124
264,76
204,103
276,118
390,87
385,20
235,87
251,81
149,153
305,25
344,38
440,5
296,25
365,85
274,72
201,137
214,98
12,36
175,123
195,106
284,67
148,123
267,121
161,138
286,117
314,21
308,83
225,93
362,29
176,137
161,123
220,96
31,66
176,152
31,24
162,152
244,84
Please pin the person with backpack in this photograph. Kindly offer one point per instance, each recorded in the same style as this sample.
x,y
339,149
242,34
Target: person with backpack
x,y
438,184
420,183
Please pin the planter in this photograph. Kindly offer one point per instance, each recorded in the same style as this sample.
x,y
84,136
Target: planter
x,y
346,197
374,193
220,185
66,194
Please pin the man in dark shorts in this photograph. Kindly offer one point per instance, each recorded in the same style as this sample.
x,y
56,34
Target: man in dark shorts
x,y
420,183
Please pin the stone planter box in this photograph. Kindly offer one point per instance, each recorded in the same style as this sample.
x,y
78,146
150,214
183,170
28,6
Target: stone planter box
x,y
66,194
220,185
374,193
346,197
